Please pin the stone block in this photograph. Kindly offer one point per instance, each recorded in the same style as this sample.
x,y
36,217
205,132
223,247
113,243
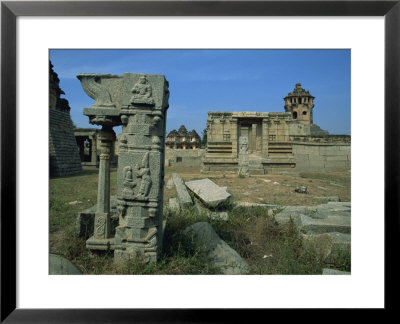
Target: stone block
x,y
208,192
340,224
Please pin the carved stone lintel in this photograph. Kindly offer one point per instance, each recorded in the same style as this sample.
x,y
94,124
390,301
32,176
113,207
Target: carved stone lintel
x,y
91,84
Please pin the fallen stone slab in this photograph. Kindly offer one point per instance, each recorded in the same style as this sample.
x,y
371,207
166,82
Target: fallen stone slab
x,y
208,192
220,254
183,196
58,265
322,211
328,271
340,224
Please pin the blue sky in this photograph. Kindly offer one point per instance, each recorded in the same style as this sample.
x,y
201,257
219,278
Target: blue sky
x,y
224,80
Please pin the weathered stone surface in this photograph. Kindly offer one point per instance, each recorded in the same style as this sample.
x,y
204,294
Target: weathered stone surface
x,y
170,183
59,265
328,271
63,149
324,225
208,192
173,203
330,217
218,251
183,196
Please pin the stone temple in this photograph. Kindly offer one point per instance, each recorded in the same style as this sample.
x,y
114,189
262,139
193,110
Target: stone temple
x,y
261,142
182,139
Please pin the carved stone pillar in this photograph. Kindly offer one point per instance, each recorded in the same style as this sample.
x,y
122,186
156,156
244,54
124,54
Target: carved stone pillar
x,y
138,102
102,223
141,170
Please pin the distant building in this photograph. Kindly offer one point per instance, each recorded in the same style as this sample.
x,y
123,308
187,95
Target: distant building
x,y
274,140
182,139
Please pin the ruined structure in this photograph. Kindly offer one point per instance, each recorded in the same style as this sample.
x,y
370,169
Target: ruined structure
x,y
260,142
182,139
139,103
86,139
63,150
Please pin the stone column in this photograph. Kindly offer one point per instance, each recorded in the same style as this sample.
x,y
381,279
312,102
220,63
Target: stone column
x,y
254,137
102,217
234,137
94,150
265,136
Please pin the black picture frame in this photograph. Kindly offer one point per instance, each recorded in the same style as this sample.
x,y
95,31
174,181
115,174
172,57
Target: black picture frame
x,y
10,10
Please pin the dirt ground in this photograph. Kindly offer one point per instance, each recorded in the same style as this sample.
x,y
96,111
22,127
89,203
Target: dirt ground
x,y
277,189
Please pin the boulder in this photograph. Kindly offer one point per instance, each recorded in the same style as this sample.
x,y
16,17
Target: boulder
x,y
220,254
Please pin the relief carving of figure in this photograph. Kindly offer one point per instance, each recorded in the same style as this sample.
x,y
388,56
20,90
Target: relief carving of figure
x,y
144,174
137,180
243,144
131,177
142,92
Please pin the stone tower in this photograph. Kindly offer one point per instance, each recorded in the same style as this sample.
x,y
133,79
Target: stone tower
x,y
300,104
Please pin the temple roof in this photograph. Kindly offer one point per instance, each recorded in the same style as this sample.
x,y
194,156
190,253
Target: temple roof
x,y
299,92
172,133
182,130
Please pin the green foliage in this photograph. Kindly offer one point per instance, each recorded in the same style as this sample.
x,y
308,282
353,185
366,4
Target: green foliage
x,y
343,260
241,175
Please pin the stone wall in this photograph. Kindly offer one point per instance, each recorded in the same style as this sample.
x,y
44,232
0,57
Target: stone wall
x,y
191,157
63,150
322,156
